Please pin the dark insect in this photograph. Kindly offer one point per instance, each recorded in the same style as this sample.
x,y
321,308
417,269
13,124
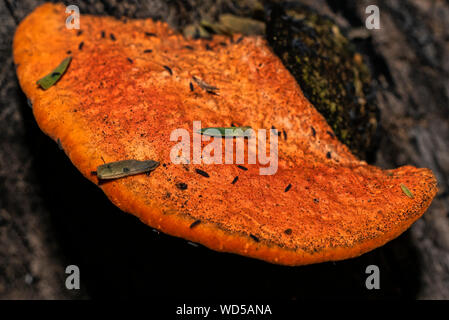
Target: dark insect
x,y
288,187
195,223
169,70
288,231
188,47
130,60
285,134
254,238
69,51
103,34
316,200
328,155
54,74
331,134
203,173
313,131
80,46
191,86
147,51
150,34
112,37
80,32
239,40
242,167
235,180
181,185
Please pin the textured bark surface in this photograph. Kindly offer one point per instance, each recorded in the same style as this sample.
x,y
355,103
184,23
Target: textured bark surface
x,y
51,217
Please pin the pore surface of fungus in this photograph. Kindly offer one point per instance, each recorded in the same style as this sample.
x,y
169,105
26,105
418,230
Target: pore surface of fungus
x,y
124,93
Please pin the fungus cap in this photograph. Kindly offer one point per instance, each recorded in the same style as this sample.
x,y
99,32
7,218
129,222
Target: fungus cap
x,y
125,92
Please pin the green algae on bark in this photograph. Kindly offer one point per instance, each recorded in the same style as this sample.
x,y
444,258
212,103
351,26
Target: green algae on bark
x,y
330,72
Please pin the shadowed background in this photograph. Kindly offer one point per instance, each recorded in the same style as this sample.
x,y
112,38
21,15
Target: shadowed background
x,y
50,216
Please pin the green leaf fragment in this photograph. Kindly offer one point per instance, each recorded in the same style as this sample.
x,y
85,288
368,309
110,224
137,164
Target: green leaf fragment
x,y
406,191
51,78
124,168
245,131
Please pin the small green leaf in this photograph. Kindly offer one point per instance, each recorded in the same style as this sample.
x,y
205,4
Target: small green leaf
x,y
227,131
124,168
406,191
51,78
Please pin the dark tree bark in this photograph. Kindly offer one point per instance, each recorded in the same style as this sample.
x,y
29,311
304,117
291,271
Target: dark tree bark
x,y
50,217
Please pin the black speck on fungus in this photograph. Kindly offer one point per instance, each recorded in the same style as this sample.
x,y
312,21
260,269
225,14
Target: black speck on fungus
x,y
202,173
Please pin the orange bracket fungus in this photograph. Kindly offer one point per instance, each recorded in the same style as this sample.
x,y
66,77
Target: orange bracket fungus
x,y
125,92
